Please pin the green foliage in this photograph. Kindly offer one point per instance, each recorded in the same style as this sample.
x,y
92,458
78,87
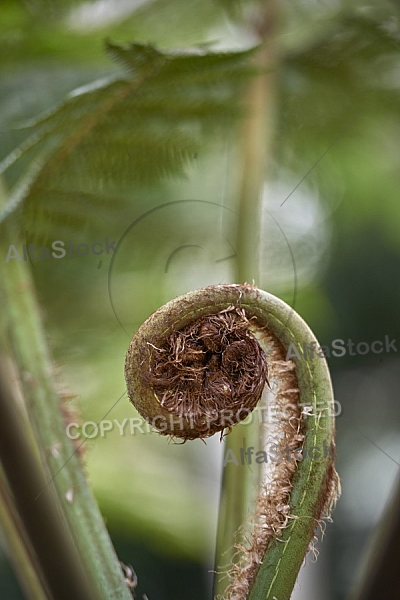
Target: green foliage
x,y
323,84
342,86
352,63
54,31
122,131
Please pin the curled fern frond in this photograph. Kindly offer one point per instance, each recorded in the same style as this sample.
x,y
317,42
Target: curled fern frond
x,y
196,358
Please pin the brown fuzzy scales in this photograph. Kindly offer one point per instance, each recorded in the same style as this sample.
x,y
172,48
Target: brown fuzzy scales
x,y
70,415
272,511
208,368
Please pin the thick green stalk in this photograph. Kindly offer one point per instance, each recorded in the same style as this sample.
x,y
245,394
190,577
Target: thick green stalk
x,y
27,340
37,533
314,482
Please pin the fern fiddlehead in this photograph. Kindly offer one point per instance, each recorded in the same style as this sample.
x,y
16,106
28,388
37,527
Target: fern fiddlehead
x,y
196,366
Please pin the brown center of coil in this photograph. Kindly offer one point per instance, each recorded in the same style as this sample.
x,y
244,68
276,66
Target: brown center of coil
x,y
211,373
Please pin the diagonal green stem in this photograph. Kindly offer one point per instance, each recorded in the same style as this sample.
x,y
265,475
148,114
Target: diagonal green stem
x,y
38,537
27,340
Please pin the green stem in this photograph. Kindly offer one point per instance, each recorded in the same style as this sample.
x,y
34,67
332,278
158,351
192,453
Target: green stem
x,y
40,536
256,139
27,340
314,480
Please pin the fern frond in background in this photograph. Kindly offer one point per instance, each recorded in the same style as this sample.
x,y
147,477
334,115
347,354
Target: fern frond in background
x,y
121,132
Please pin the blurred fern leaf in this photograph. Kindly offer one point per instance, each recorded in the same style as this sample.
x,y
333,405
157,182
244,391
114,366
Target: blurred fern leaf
x,y
135,129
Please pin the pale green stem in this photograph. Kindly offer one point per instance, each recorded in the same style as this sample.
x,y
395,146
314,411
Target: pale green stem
x,y
257,142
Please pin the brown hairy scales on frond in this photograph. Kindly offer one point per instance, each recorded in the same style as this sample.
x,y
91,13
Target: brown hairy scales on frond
x,y
272,511
211,372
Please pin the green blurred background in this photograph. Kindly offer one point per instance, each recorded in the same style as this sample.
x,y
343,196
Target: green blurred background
x,y
332,250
